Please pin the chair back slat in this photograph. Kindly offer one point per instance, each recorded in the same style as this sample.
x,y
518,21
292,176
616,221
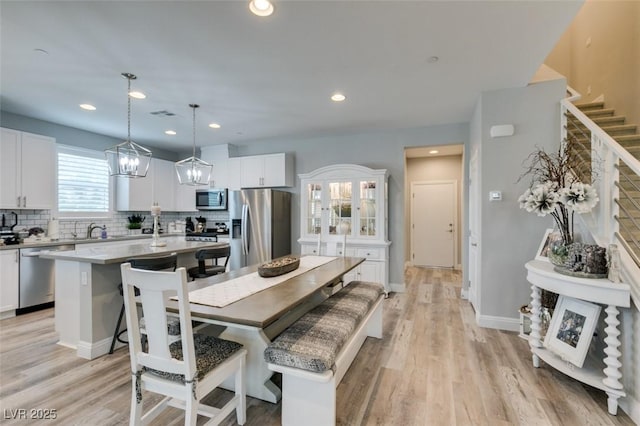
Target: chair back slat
x,y
212,253
155,289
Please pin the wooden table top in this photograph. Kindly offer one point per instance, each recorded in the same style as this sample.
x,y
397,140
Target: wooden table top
x,y
265,307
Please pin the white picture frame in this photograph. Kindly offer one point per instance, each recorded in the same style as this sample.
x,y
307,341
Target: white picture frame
x,y
541,254
571,329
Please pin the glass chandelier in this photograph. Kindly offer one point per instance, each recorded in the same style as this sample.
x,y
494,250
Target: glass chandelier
x,y
193,171
128,159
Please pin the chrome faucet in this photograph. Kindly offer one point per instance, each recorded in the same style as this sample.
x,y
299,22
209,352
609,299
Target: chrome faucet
x,y
90,229
74,234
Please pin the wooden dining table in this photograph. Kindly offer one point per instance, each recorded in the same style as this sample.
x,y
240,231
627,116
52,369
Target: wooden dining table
x,y
256,320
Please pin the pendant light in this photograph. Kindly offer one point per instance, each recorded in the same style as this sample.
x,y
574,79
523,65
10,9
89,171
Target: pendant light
x,y
128,159
193,171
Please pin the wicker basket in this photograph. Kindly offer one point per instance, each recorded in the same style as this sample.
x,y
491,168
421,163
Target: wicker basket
x,y
278,267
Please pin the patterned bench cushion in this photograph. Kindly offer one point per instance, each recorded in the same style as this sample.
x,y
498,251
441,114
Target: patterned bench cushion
x,y
314,341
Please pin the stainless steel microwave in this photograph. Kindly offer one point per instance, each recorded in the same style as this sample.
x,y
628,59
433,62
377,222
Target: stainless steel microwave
x,y
211,199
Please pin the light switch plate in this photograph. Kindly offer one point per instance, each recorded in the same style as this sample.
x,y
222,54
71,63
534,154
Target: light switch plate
x,y
495,195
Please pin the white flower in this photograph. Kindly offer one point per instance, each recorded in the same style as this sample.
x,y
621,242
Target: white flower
x,y
542,199
579,197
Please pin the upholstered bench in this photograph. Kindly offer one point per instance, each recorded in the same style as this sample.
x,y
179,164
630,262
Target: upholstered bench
x,y
315,352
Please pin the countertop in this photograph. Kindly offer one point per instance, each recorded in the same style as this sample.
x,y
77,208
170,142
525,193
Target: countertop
x,y
119,253
53,243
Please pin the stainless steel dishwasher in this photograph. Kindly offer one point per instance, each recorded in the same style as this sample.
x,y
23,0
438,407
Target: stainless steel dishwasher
x,y
37,276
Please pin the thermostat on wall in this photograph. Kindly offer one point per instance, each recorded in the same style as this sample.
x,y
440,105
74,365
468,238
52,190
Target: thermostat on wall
x,y
495,195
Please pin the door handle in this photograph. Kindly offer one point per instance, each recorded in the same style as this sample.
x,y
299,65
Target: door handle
x,y
474,244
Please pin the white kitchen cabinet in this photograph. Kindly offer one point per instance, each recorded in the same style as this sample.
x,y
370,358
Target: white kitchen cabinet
x,y
165,184
9,282
27,170
226,170
233,173
135,194
160,186
219,174
271,170
346,204
185,198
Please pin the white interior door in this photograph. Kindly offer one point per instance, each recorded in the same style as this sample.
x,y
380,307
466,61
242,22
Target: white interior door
x,y
433,222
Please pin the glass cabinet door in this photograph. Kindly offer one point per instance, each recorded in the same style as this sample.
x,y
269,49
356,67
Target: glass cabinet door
x,y
367,216
340,212
314,208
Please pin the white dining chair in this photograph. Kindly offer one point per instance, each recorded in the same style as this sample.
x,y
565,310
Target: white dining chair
x,y
184,371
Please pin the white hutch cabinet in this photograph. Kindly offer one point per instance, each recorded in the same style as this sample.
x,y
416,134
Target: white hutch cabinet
x,y
344,212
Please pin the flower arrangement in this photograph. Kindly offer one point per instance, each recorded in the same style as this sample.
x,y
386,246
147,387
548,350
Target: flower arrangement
x,y
556,190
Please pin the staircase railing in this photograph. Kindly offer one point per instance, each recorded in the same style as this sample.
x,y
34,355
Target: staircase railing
x,y
617,172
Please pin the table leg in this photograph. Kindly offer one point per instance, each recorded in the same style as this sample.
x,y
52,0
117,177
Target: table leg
x,y
258,376
534,337
612,360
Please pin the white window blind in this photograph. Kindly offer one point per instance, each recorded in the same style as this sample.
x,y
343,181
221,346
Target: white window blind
x,y
83,183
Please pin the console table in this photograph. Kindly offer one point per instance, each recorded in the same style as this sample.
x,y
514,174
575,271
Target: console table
x,y
603,373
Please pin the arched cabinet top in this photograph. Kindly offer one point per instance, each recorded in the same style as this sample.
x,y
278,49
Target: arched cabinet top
x,y
343,171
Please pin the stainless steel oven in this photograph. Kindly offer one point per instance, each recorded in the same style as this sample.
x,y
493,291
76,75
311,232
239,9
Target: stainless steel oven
x,y
37,276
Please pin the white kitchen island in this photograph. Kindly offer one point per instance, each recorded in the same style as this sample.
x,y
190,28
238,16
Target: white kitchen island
x,y
86,289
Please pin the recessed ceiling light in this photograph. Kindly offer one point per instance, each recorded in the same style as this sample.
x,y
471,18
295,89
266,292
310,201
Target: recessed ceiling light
x,y
433,59
261,7
433,151
170,132
214,125
137,95
88,107
338,97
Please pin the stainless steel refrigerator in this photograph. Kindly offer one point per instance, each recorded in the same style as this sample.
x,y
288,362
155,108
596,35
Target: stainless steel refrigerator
x,y
260,226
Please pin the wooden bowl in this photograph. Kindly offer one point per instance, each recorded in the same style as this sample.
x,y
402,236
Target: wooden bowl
x,y
278,267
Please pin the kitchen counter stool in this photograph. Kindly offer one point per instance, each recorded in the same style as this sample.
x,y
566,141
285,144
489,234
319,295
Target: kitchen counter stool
x,y
202,270
156,263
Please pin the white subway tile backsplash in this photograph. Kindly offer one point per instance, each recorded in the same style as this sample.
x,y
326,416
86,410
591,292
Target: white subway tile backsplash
x,y
116,225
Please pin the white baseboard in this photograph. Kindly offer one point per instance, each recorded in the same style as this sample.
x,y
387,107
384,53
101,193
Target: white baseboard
x,y
397,287
631,406
7,314
464,294
500,323
89,350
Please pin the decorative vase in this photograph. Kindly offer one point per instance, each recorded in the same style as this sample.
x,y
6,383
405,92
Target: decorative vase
x,y
558,252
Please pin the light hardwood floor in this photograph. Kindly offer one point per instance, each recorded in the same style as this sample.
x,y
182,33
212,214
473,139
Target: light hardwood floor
x,y
434,366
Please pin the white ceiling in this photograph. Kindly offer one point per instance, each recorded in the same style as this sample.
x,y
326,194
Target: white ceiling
x,y
267,77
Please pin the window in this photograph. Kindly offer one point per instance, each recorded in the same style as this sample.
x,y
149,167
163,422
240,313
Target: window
x,y
83,183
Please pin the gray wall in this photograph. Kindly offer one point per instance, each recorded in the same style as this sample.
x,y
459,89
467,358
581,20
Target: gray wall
x,y
511,236
69,135
379,150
